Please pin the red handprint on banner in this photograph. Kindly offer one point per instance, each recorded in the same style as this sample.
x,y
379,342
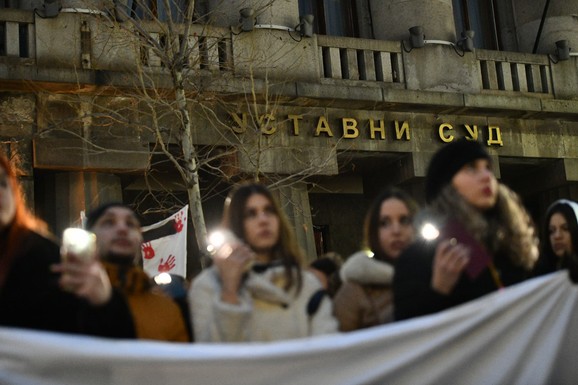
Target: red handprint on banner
x,y
168,265
147,251
179,220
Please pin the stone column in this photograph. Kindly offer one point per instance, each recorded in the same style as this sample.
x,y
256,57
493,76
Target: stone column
x,y
561,23
295,203
392,19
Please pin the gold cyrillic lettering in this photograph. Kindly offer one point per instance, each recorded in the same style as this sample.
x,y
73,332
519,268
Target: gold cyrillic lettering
x,y
473,132
323,126
264,122
445,139
373,129
241,126
350,130
399,131
498,139
295,119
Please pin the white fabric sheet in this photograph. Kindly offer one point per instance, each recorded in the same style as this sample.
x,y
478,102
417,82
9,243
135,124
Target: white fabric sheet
x,y
167,254
526,334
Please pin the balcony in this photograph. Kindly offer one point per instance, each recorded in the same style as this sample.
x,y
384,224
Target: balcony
x,y
17,40
49,48
515,72
360,59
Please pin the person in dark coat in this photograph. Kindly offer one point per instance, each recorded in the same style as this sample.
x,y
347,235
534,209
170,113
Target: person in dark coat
x,y
326,269
560,239
480,237
33,292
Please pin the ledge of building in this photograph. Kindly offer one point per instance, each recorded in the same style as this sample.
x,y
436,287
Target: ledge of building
x,y
370,97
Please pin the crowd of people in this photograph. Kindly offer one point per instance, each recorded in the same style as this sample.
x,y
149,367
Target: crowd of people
x,y
473,237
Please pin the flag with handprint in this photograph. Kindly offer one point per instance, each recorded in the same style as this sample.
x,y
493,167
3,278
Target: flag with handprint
x,y
164,249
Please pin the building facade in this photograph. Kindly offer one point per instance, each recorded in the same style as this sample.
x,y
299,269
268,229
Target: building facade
x,y
327,109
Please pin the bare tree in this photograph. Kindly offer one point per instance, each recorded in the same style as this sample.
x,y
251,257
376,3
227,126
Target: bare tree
x,y
173,91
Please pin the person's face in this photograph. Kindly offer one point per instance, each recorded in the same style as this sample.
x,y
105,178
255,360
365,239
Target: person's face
x,y
118,233
395,227
560,237
476,183
7,206
261,224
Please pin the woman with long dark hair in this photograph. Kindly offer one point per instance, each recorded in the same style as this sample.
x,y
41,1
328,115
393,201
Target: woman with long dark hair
x,y
560,239
484,241
365,298
256,289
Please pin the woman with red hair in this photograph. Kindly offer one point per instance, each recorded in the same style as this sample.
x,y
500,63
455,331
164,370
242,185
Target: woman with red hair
x,y
32,293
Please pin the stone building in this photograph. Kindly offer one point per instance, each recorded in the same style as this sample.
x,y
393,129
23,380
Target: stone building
x,y
329,108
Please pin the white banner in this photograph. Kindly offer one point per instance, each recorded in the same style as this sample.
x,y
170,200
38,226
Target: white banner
x,y
526,334
167,253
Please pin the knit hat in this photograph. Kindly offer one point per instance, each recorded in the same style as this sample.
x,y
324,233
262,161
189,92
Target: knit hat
x,y
448,161
98,212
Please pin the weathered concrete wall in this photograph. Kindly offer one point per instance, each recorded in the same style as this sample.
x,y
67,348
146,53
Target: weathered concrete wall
x,y
113,47
58,41
253,55
565,78
17,115
225,13
561,23
422,70
393,18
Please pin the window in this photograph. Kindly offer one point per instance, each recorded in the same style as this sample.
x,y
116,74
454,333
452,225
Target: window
x,y
479,16
155,9
2,38
23,39
332,17
9,4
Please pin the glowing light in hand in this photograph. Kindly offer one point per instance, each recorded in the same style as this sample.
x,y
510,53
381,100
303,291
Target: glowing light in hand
x,y
429,231
163,279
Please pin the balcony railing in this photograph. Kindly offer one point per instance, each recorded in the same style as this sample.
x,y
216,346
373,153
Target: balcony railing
x,y
207,51
339,58
360,59
17,34
509,71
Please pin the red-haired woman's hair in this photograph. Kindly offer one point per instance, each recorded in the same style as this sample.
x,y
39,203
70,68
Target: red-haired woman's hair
x,y
23,221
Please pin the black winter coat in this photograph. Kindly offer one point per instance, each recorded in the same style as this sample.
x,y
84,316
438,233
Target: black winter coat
x,y
412,292
31,298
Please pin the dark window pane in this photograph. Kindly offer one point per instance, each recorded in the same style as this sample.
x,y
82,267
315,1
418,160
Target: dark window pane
x,y
23,40
479,16
332,17
2,39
